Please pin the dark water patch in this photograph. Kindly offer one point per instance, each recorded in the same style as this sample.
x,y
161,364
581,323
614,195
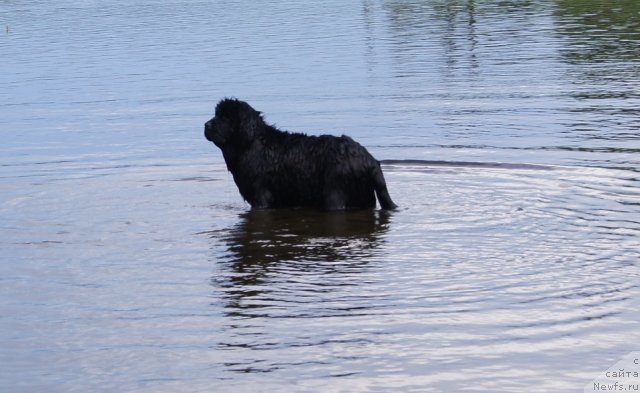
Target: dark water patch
x,y
465,164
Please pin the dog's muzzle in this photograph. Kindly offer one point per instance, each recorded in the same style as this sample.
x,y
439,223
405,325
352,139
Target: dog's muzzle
x,y
208,131
213,133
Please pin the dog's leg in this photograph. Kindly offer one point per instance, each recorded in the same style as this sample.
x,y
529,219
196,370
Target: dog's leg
x,y
263,199
334,200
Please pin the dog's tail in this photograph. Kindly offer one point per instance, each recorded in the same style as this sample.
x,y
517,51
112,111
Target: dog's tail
x,y
380,186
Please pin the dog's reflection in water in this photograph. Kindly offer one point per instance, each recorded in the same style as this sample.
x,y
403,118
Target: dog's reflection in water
x,y
289,265
290,240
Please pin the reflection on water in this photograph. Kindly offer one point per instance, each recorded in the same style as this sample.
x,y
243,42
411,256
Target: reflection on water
x,y
266,236
601,32
291,264
268,246
512,79
601,43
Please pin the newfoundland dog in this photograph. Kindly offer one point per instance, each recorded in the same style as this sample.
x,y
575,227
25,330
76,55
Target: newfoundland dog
x,y
275,169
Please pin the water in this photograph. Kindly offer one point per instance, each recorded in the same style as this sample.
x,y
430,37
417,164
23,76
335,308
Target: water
x,y
510,138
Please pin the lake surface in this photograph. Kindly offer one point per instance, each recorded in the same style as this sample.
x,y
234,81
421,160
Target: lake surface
x,y
509,133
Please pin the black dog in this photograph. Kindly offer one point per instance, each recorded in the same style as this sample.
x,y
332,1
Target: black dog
x,y
274,168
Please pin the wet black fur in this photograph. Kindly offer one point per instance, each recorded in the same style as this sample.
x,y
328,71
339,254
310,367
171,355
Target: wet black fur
x,y
274,168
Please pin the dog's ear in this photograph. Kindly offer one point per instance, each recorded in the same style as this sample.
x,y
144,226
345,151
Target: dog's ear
x,y
245,121
251,122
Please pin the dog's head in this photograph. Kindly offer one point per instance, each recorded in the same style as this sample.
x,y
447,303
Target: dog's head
x,y
235,124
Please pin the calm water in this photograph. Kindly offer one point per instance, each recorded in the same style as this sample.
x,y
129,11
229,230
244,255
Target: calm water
x,y
511,137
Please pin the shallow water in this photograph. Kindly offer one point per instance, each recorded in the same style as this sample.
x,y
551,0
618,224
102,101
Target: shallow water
x,y
509,138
